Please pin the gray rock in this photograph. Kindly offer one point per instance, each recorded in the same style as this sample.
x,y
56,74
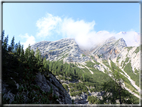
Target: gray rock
x,y
45,85
110,48
57,87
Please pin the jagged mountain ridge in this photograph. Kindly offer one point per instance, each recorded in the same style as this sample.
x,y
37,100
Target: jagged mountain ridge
x,y
53,50
66,49
69,51
115,50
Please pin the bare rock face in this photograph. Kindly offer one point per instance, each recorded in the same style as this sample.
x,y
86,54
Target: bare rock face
x,y
64,49
57,87
69,51
110,48
45,85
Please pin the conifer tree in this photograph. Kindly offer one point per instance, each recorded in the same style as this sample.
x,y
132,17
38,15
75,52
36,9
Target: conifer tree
x,y
83,77
27,53
59,68
38,54
50,66
22,50
45,63
22,53
12,43
15,47
32,53
19,49
5,45
9,48
2,38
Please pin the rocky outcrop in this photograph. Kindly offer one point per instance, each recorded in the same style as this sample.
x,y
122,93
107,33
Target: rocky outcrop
x,y
45,83
110,48
64,49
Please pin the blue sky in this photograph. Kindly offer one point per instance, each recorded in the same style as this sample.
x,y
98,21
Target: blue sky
x,y
88,23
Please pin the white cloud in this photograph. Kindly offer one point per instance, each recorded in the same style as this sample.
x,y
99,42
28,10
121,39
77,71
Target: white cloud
x,y
71,28
29,40
83,32
80,30
132,38
47,24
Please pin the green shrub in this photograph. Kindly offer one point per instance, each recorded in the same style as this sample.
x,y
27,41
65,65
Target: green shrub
x,y
137,50
76,93
83,55
93,100
66,87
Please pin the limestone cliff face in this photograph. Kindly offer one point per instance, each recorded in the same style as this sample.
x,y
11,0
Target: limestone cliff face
x,y
64,49
110,48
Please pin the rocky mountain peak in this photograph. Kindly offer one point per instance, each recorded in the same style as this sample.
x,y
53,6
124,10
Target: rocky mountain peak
x,y
111,39
68,50
110,48
120,43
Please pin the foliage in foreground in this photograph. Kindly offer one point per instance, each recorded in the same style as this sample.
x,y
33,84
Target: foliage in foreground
x,y
21,67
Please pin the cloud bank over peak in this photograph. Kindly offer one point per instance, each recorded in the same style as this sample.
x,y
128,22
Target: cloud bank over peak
x,y
83,32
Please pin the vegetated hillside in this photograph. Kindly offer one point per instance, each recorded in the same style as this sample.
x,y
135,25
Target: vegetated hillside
x,y
26,78
84,74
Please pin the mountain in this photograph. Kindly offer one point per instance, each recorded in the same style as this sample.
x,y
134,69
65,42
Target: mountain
x,y
66,49
95,63
61,72
110,48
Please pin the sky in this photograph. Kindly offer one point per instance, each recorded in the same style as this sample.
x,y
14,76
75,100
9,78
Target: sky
x,y
87,23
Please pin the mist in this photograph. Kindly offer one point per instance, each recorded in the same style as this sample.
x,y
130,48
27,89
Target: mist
x,y
83,32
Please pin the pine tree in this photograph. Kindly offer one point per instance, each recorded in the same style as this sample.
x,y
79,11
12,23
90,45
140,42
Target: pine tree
x,y
32,53
19,49
22,54
15,48
27,53
45,63
50,66
83,77
9,48
2,38
12,43
59,68
22,50
38,54
5,45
